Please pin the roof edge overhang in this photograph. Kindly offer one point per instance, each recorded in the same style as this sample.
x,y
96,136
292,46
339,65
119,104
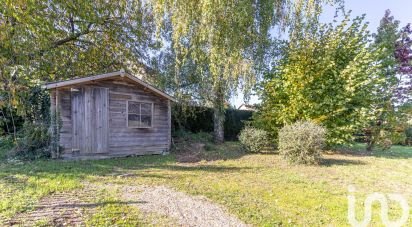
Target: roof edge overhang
x,y
121,73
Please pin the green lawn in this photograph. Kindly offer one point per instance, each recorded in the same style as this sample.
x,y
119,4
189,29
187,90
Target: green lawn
x,y
260,189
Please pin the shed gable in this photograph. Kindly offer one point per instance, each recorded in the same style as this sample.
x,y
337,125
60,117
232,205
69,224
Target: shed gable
x,y
121,74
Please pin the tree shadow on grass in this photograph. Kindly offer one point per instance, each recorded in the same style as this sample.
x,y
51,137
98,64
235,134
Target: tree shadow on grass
x,y
196,152
61,211
87,205
394,154
195,157
81,169
107,167
340,162
204,168
359,150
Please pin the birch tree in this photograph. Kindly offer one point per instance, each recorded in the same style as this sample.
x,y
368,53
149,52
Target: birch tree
x,y
223,43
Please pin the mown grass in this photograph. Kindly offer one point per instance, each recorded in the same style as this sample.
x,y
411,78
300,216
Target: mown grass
x,y
113,212
116,212
260,189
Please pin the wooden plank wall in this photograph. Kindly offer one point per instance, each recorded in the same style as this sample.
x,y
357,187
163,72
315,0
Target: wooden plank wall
x,y
121,139
77,119
101,105
64,105
135,140
96,120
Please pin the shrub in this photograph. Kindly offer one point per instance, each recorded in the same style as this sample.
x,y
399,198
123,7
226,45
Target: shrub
x,y
408,133
184,135
33,142
398,138
6,144
254,139
385,144
302,142
200,119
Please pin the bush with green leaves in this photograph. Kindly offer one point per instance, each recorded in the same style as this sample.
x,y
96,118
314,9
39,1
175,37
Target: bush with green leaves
x,y
6,144
302,142
398,138
385,144
33,142
408,133
254,139
323,78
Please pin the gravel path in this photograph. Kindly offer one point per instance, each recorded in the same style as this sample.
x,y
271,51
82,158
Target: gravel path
x,y
177,208
185,209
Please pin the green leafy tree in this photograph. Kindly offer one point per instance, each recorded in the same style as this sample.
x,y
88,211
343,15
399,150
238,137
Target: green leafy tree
x,y
403,54
53,40
327,76
220,46
384,118
405,120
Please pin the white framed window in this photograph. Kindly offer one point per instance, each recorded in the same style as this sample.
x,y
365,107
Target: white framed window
x,y
139,114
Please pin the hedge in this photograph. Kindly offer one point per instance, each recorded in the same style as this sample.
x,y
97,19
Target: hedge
x,y
200,119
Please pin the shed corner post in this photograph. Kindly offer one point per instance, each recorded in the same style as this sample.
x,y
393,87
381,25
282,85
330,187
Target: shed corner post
x,y
52,101
54,123
169,118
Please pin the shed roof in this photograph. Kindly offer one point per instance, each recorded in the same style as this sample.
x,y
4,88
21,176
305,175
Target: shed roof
x,y
120,73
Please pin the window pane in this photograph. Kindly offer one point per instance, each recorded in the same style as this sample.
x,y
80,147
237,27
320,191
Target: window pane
x,y
134,107
146,121
134,120
146,108
139,114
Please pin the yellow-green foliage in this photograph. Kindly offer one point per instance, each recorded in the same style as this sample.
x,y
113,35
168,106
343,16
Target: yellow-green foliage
x,y
223,41
327,76
54,40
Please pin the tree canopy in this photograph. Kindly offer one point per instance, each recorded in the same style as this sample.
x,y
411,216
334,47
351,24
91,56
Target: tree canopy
x,y
383,115
327,75
219,46
42,41
403,54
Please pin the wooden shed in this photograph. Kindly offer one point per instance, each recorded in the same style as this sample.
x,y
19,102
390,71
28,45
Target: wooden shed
x,y
109,115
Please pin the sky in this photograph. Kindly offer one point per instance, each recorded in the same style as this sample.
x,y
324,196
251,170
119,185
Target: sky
x,y
374,10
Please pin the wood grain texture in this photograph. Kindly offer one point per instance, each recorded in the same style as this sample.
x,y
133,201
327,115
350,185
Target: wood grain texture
x,y
138,140
78,119
94,119
169,125
63,106
90,119
119,77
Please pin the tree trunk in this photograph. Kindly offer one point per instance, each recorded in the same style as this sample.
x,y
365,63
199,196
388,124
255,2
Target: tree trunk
x,y
5,123
12,118
218,125
370,145
373,137
218,115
